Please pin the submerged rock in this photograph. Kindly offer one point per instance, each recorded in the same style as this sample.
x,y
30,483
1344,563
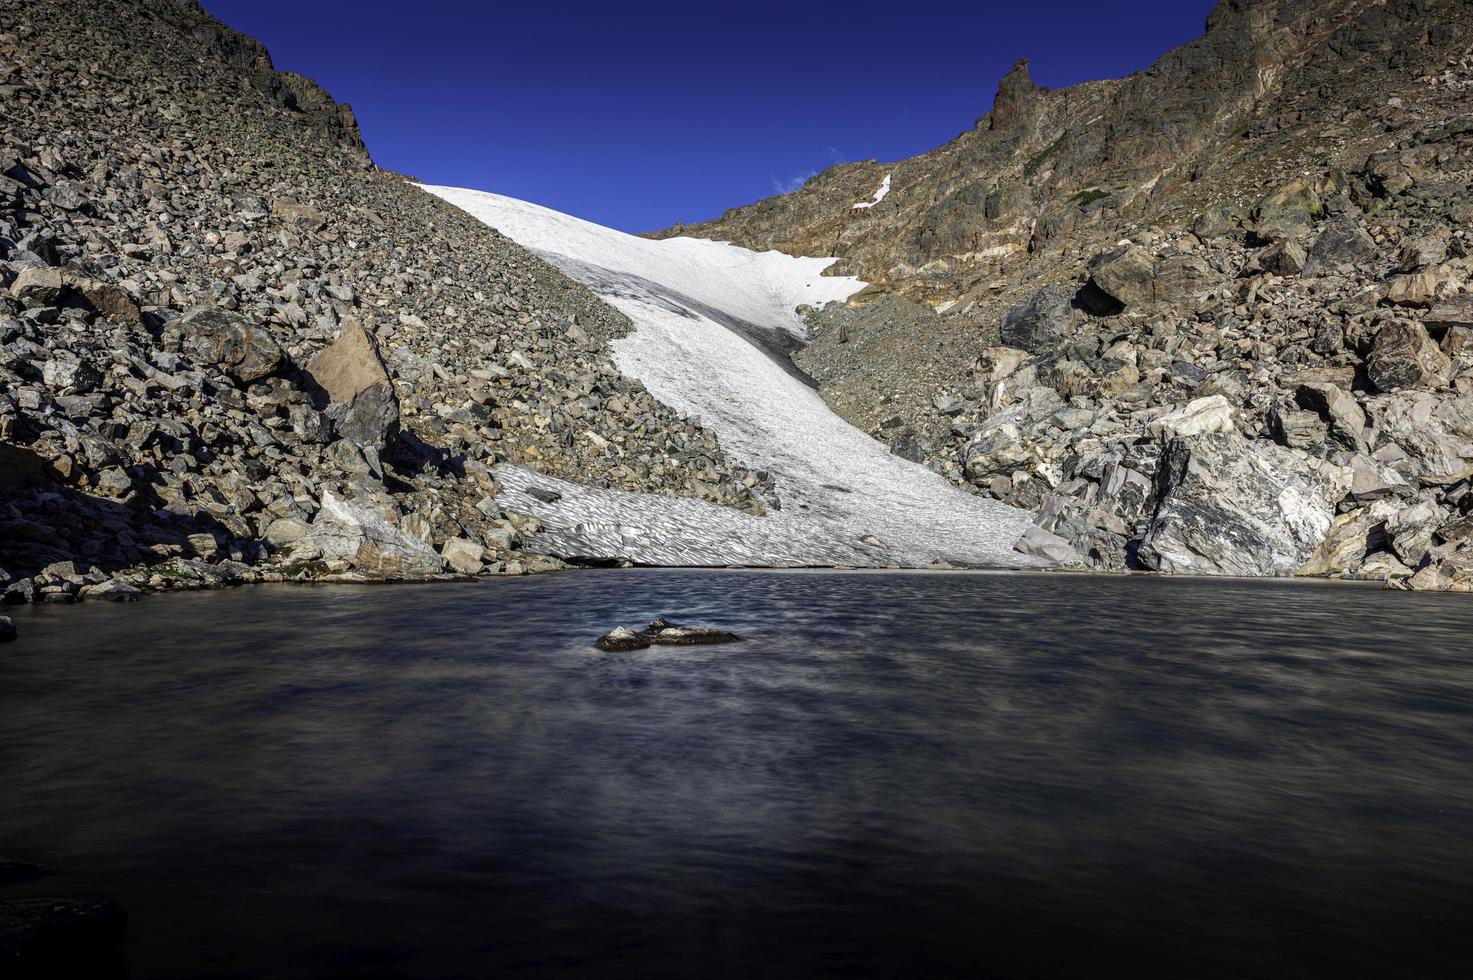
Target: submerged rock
x,y
664,633
7,629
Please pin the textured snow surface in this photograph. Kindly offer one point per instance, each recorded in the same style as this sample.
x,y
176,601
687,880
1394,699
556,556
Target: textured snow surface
x,y
712,324
879,195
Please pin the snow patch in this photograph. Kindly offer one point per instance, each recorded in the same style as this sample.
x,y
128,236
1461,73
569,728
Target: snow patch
x,y
884,189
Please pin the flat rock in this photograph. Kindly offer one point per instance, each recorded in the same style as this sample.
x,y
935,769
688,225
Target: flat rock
x,y
661,632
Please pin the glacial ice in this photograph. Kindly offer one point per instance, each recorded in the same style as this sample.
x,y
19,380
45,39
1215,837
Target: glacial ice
x,y
710,321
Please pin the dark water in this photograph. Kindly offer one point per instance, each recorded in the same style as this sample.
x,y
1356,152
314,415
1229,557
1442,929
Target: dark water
x,y
897,776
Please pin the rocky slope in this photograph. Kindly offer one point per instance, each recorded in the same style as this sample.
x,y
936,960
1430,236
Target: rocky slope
x,y
232,349
1214,317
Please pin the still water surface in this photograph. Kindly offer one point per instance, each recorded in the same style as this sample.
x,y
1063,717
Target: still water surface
x,y
897,775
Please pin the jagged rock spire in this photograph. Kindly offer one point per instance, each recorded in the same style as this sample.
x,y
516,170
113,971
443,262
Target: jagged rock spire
x,y
1016,94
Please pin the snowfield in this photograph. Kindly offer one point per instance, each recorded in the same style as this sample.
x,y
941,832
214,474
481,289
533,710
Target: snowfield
x,y
712,324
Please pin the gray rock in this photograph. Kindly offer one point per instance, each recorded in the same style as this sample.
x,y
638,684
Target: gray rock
x,y
1433,435
112,590
1404,356
1041,322
356,535
1133,278
1342,414
245,351
1410,530
1039,543
1342,244
464,556
1234,507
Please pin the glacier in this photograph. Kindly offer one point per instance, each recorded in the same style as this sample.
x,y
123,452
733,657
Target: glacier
x,y
713,326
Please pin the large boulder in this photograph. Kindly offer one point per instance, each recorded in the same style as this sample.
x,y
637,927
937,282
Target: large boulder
x,y
1404,356
1424,437
362,537
353,376
1341,246
1344,417
1229,506
1040,322
1133,279
1201,416
230,341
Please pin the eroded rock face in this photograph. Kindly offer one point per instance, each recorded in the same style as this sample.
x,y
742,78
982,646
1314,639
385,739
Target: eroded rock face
x,y
1234,507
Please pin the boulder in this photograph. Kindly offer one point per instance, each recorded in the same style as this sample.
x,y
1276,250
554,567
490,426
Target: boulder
x,y
1341,245
621,639
1039,543
1285,258
1409,531
1341,413
1130,276
1433,435
1229,506
664,633
464,556
113,590
1126,274
38,285
1041,322
1353,537
1201,416
1404,356
302,217
1452,314
242,349
355,380
361,537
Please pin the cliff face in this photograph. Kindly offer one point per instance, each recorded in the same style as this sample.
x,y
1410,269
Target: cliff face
x,y
1261,238
231,348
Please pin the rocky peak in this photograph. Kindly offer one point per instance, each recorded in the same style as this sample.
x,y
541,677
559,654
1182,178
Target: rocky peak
x,y
1016,99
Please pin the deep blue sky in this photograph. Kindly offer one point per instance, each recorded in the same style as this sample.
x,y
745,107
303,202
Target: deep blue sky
x,y
638,115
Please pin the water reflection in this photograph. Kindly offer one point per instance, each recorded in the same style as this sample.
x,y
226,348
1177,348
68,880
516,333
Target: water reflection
x,y
897,775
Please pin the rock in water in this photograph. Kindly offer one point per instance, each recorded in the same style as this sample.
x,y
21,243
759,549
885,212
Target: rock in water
x,y
664,633
1234,507
7,629
621,639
